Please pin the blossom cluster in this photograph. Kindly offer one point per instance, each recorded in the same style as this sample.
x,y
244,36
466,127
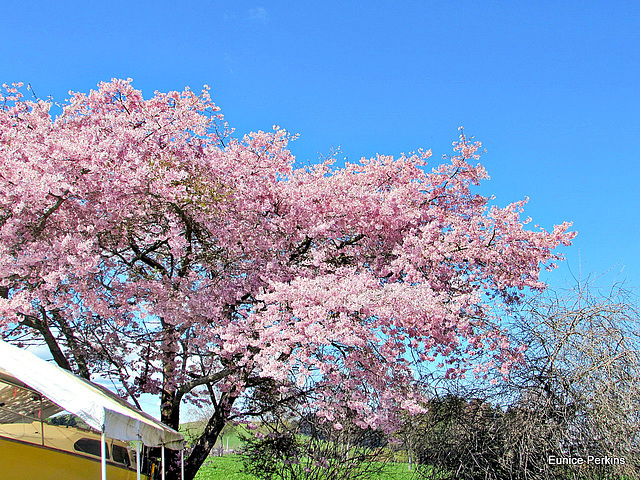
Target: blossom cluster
x,y
143,231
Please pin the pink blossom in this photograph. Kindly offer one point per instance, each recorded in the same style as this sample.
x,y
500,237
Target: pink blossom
x,y
196,253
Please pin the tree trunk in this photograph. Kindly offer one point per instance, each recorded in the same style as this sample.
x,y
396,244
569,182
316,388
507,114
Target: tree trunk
x,y
170,415
170,409
207,440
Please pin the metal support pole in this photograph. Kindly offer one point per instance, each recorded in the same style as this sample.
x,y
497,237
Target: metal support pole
x,y
41,421
182,463
138,452
103,455
163,466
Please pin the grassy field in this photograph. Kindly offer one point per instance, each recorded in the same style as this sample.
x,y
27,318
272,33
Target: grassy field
x,y
229,467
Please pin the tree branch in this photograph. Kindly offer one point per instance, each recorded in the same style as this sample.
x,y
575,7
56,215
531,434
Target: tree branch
x,y
196,382
38,230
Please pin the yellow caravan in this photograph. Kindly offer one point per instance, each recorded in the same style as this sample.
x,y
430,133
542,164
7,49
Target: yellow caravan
x,y
55,425
39,450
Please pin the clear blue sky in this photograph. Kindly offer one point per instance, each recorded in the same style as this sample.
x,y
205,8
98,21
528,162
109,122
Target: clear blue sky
x,y
551,88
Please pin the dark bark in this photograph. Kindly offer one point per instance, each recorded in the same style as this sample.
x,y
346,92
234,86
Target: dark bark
x,y
79,355
42,326
207,440
170,415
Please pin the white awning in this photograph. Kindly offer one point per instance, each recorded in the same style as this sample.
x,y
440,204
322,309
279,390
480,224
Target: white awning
x,y
97,406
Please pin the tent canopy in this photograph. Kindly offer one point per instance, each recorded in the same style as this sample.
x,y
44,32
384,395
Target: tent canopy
x,y
98,407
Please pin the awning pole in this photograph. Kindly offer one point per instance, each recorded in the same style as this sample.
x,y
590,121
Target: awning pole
x,y
103,455
162,461
138,451
182,463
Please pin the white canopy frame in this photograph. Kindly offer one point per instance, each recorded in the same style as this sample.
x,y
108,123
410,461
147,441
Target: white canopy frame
x,y
101,409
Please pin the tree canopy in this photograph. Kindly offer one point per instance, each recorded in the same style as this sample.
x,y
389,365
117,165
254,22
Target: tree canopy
x,y
141,239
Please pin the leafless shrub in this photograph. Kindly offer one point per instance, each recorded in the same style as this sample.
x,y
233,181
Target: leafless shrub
x,y
297,445
571,411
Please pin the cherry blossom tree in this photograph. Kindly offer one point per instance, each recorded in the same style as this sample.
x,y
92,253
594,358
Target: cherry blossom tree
x,y
141,240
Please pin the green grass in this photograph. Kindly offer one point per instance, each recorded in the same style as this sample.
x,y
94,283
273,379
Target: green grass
x,y
397,471
229,467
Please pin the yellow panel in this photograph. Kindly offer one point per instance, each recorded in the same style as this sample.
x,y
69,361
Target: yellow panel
x,y
22,461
